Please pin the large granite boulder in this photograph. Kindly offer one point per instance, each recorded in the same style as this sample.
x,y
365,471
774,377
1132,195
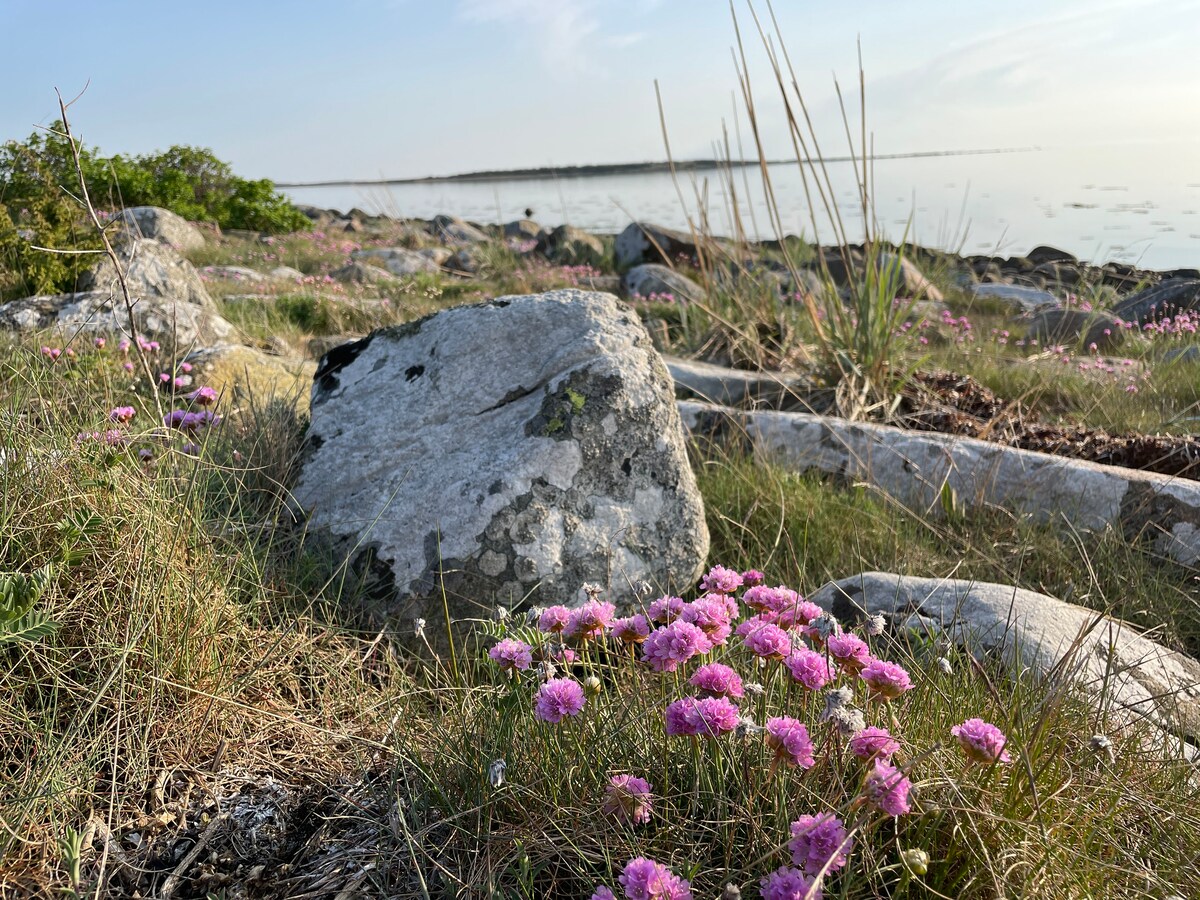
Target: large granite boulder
x,y
161,225
515,449
1109,659
925,470
170,304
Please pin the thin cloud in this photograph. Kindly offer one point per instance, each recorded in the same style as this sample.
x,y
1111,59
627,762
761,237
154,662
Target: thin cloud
x,y
563,27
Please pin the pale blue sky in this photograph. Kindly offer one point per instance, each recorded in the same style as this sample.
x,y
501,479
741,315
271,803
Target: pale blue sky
x,y
300,89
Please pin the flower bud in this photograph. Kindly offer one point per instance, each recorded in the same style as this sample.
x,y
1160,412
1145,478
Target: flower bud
x,y
916,861
592,686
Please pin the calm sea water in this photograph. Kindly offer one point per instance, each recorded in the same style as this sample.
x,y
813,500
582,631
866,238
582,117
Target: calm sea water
x,y
1137,203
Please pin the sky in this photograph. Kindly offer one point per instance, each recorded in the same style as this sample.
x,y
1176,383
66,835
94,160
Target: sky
x,y
296,90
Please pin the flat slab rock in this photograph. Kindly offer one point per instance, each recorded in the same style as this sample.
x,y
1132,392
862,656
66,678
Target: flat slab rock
x,y
915,468
1117,667
513,449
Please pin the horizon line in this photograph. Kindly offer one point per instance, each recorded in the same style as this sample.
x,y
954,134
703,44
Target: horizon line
x,y
601,169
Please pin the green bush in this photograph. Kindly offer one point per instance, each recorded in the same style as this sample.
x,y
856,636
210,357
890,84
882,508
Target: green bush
x,y
38,206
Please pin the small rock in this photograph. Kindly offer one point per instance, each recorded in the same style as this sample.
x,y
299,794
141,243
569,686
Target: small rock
x,y
654,279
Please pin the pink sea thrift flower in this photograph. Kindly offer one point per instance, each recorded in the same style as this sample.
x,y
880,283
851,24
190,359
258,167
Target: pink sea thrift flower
x,y
717,680
797,613
665,610
204,396
122,415
672,645
714,716
631,630
603,893
559,698
710,614
810,668
850,651
769,642
982,741
819,841
679,718
873,743
790,884
886,789
789,739
886,680
589,621
512,655
721,580
628,799
553,619
763,599
752,578
644,879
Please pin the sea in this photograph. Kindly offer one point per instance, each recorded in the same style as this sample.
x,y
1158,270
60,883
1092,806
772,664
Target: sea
x,y
1132,202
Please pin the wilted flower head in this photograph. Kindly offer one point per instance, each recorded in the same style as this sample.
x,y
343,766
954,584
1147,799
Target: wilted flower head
x,y
886,680
790,884
875,625
672,645
592,590
554,619
819,843
717,680
810,668
631,630
644,879
789,739
872,743
1101,743
769,642
944,666
496,772
887,788
665,609
721,580
512,655
419,627
557,699
628,799
850,651
981,741
820,628
501,613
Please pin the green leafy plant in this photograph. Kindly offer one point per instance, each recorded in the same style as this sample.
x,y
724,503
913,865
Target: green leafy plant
x,y
19,623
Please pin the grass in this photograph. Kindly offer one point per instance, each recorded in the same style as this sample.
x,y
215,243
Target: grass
x,y
196,645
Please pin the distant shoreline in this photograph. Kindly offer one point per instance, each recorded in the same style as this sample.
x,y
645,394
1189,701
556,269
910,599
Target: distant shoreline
x,y
641,168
